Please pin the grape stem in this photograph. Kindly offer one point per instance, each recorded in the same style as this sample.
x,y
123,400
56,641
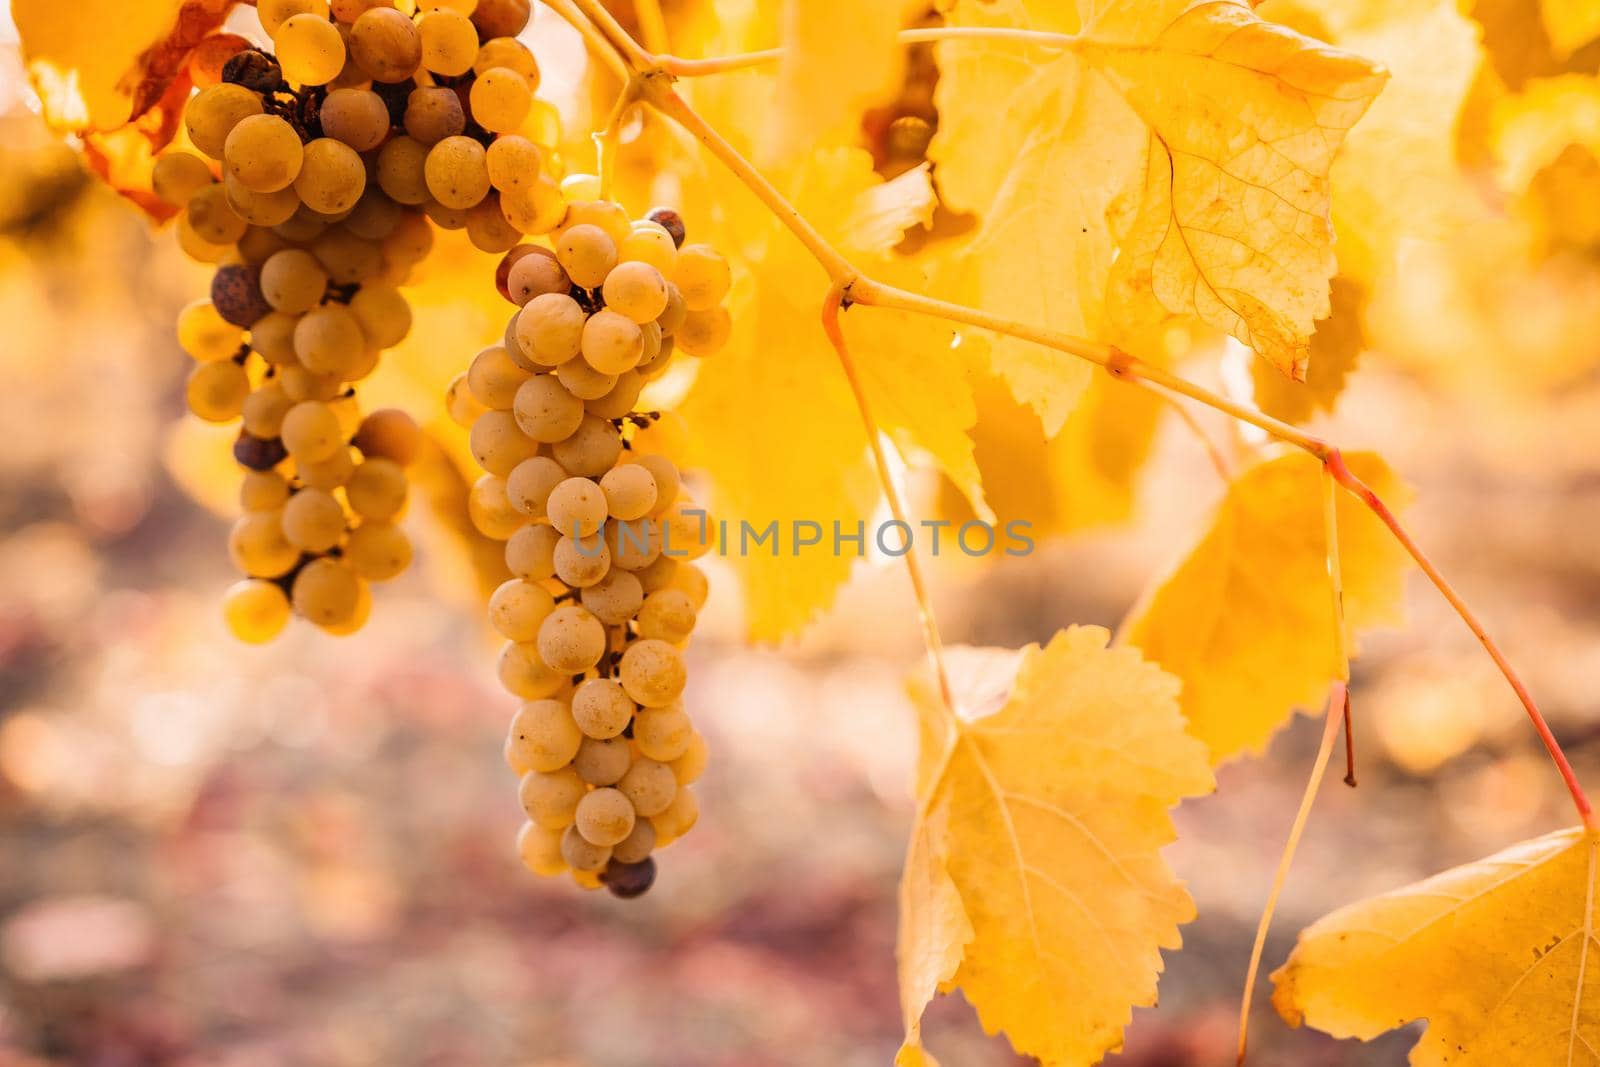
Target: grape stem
x,y
656,84
897,507
1338,704
608,141
1338,713
679,67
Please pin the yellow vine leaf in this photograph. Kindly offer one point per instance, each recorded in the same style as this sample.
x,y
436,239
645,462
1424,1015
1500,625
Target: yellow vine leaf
x,y
1245,619
1177,153
1034,879
1335,349
776,428
839,58
114,74
1571,24
1232,224
1498,956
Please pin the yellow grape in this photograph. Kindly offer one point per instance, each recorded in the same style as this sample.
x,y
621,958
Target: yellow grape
x,y
621,399
313,520
667,615
637,845
650,244
263,410
604,817
530,552
524,674
384,315
582,854
606,215
205,335
545,411
309,49
602,762
601,708
385,44
517,608
260,209
543,736
263,152
551,798
255,611
581,563
576,507
703,333
449,42
327,474
257,546
212,219
311,431
500,99
511,53
630,491
702,276
327,592
332,178
456,172
356,117
273,13
263,491
498,444
433,113
213,113
592,449
488,228
649,786
533,208
377,491
490,510
612,342
378,551
178,175
615,598
652,673
587,253
513,162
328,340
216,391
459,403
691,765
530,483
678,818
540,850
293,281
571,639
402,170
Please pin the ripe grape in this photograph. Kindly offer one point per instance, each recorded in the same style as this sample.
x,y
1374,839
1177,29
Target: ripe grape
x,y
581,563
634,848
601,708
602,762
604,817
311,431
611,343
402,170
434,113
630,491
702,276
391,434
377,490
620,399
530,483
649,244
293,281
178,175
332,178
263,152
691,765
538,274
591,450
449,42
490,509
615,598
668,615
487,226
385,44
313,521
506,51
530,553
214,112
358,117
378,551
205,335
587,253
310,49
649,786
550,328
456,171
327,592
500,99
678,819
260,209
256,611
576,507
263,491
384,315
263,410
636,290
543,736
501,18
524,674
328,340
216,391
670,221
273,13
517,609
497,443
545,411
581,854
540,850
494,379
550,798
652,673
571,639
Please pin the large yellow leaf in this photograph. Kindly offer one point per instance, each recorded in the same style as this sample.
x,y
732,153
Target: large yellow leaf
x,y
773,422
1497,956
1034,880
114,73
1195,136
1246,619
1245,118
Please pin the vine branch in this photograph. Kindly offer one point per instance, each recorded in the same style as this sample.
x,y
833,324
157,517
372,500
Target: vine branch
x,y
853,286
679,67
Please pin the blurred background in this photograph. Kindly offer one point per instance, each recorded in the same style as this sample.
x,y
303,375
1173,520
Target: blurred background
x,y
301,854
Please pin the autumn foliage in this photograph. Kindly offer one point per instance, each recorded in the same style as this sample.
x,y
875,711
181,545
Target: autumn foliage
x,y
1084,215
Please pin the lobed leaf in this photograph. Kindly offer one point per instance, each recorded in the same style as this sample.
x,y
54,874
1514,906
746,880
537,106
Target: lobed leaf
x,y
1034,880
1495,955
1246,620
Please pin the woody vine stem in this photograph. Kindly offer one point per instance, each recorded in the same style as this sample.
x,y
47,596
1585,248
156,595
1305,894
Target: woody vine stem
x,y
650,78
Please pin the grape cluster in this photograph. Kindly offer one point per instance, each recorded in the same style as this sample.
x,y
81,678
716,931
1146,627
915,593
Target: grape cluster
x,y
317,173
599,534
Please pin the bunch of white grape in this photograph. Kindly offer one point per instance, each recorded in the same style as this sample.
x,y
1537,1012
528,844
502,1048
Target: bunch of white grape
x,y
599,535
312,177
